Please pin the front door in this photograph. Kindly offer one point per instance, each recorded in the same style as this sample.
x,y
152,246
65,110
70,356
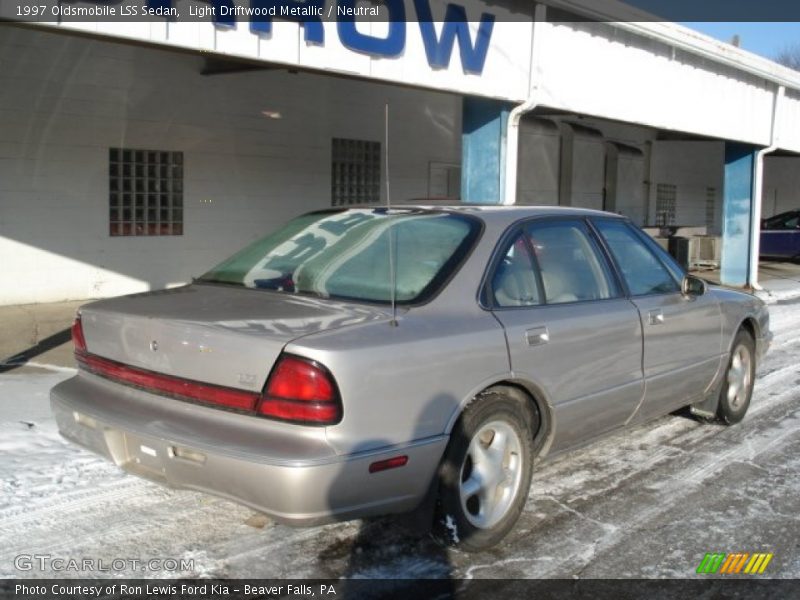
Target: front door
x,y
682,334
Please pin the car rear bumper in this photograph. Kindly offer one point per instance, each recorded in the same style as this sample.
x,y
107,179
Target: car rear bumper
x,y
287,472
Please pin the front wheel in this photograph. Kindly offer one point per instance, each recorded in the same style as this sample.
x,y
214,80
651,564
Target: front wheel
x,y
486,472
737,387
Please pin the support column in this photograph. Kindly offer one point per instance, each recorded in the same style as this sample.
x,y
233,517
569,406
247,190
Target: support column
x,y
737,213
483,150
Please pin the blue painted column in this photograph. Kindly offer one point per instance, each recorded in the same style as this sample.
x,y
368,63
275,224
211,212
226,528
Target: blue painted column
x,y
737,213
483,149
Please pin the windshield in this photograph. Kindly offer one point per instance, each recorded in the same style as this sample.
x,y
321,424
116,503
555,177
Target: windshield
x,y
346,255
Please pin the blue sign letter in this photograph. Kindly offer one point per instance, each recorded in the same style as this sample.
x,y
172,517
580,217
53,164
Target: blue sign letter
x,y
391,45
455,26
312,24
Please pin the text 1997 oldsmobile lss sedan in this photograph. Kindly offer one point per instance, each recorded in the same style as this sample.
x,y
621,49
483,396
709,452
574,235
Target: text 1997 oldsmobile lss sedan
x,y
284,380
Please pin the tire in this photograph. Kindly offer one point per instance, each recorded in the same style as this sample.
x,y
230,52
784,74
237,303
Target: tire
x,y
486,471
737,384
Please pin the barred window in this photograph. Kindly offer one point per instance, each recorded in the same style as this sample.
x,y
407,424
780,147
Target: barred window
x,y
355,172
711,207
666,200
145,192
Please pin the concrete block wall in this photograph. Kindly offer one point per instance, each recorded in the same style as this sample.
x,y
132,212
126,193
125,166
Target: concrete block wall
x,y
692,167
65,100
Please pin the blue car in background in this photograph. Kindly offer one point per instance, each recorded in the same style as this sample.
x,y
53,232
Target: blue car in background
x,y
780,235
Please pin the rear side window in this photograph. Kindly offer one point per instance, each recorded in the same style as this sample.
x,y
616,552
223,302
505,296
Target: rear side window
x,y
514,282
569,262
783,221
643,272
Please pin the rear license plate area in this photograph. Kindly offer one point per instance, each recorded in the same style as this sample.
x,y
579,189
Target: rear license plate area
x,y
145,457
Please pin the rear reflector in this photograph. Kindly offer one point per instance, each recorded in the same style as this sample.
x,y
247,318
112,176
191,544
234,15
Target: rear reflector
x,y
389,463
168,385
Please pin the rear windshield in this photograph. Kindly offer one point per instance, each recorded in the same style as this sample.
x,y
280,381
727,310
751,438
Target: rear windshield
x,y
345,255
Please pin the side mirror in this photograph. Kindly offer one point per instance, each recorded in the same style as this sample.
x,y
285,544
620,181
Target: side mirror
x,y
693,286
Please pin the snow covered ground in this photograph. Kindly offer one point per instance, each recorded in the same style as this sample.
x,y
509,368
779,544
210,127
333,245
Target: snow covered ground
x,y
647,502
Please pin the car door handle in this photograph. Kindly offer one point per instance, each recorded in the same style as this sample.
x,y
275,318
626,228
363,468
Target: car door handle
x,y
537,336
655,317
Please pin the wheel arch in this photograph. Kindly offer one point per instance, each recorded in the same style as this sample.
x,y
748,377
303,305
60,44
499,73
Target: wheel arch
x,y
707,407
529,393
750,325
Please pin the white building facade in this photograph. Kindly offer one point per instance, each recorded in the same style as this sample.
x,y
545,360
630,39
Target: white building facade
x,y
136,155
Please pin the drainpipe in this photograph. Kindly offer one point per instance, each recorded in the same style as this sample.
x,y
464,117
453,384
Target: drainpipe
x,y
512,148
515,116
758,192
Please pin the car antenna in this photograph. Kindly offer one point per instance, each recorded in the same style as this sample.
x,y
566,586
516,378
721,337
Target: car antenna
x,y
392,269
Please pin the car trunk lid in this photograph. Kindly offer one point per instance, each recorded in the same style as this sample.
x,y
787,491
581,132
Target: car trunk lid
x,y
216,334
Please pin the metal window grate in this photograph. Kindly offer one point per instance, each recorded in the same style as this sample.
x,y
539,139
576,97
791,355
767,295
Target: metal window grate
x,y
145,192
355,172
711,207
666,196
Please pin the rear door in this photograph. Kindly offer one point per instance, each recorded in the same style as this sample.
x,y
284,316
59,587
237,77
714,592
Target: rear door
x,y
682,334
568,325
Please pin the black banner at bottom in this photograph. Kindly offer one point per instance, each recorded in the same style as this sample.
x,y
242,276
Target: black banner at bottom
x,y
407,589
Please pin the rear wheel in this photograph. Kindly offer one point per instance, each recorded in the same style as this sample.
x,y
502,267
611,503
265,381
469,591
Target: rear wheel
x,y
737,387
486,471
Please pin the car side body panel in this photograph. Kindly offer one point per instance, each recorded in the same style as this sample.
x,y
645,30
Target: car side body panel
x,y
741,307
780,235
780,244
400,383
683,350
602,341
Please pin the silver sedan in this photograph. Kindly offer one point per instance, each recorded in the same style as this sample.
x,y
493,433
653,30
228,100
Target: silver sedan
x,y
371,361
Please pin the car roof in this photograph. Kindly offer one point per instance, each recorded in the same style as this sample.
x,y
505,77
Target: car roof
x,y
498,212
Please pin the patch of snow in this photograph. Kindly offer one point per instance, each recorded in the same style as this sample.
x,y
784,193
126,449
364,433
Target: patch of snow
x,y
452,527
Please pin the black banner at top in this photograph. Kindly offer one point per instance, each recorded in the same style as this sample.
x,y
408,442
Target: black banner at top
x,y
720,10
229,12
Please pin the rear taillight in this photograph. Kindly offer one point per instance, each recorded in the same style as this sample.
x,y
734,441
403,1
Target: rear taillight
x,y
298,390
168,385
301,391
77,336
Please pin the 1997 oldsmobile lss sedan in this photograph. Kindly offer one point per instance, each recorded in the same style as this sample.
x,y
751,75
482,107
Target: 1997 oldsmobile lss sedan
x,y
371,361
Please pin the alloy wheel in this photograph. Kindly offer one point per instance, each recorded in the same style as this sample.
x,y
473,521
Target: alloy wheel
x,y
491,474
739,377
